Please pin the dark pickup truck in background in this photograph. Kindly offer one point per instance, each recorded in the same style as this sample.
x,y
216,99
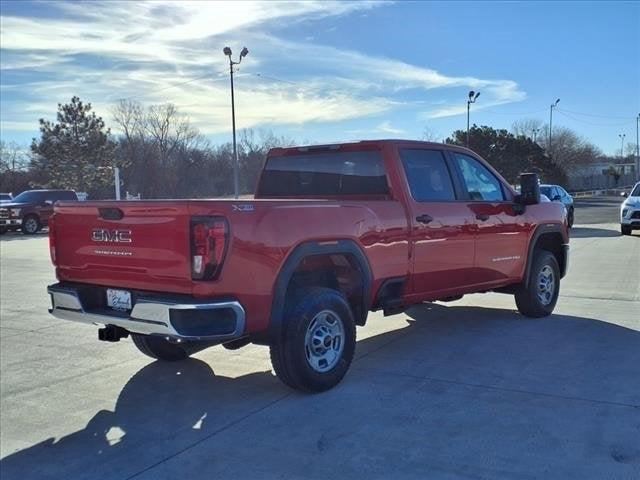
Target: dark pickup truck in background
x,y
30,211
334,232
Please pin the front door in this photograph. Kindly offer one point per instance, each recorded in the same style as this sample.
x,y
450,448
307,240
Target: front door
x,y
442,227
502,234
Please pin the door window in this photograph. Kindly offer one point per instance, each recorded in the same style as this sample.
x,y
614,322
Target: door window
x,y
428,175
480,183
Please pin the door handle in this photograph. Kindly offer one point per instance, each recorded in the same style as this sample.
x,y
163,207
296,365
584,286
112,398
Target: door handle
x,y
424,218
482,217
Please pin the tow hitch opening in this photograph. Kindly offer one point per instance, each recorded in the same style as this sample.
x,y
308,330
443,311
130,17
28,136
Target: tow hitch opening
x,y
111,333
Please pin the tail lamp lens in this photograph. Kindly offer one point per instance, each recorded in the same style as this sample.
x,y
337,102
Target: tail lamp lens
x,y
209,238
52,238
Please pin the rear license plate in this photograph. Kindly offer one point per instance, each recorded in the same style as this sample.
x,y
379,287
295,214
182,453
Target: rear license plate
x,y
119,299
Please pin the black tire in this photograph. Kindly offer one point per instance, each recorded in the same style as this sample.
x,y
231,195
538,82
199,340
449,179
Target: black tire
x,y
289,354
31,225
162,349
570,218
528,299
625,229
3,230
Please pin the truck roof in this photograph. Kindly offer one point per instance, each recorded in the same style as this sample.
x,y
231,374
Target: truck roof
x,y
361,143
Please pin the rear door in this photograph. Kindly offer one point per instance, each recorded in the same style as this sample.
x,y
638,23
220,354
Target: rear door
x,y
501,234
442,228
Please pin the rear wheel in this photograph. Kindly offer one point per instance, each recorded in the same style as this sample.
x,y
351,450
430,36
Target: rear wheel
x,y
162,348
539,297
30,224
625,229
317,341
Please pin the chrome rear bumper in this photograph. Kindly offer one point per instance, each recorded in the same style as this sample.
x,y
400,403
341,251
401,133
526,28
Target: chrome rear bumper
x,y
224,320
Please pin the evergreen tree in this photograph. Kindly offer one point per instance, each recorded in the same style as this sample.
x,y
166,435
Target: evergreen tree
x,y
511,155
76,152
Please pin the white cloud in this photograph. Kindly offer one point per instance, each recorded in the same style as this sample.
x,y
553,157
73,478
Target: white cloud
x,y
385,127
147,51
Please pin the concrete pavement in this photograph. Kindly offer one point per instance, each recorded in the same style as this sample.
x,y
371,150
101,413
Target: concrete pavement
x,y
468,389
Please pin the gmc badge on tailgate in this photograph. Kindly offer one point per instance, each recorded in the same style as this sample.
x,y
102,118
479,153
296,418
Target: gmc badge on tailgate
x,y
111,236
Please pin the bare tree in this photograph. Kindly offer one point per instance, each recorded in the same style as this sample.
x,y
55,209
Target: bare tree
x,y
13,157
529,127
428,135
14,164
129,116
169,129
630,149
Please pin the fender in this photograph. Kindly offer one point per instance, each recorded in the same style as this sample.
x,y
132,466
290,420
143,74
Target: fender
x,y
293,260
538,232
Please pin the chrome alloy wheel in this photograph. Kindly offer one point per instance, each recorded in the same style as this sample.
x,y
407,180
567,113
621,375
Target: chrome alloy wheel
x,y
31,225
324,341
546,285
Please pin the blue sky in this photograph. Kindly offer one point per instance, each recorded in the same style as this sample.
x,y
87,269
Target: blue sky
x,y
329,71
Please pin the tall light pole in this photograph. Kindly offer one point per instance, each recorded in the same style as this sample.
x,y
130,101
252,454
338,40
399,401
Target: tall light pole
x,y
473,96
553,105
243,53
638,147
622,135
535,134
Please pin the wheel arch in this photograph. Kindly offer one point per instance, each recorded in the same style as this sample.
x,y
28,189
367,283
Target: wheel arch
x,y
548,237
290,273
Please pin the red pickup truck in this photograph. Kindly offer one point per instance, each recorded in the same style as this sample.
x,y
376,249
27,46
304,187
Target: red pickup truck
x,y
333,232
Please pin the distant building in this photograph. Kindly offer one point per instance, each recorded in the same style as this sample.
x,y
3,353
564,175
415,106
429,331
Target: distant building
x,y
598,175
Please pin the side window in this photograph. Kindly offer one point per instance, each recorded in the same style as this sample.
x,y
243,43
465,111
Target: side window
x,y
428,175
479,182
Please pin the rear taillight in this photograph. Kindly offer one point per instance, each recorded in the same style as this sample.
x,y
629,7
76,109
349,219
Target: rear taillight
x,y
52,238
209,238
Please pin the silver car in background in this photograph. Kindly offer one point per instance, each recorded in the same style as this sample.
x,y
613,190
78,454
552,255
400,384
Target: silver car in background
x,y
630,212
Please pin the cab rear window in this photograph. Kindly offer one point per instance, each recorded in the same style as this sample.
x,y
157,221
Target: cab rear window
x,y
324,174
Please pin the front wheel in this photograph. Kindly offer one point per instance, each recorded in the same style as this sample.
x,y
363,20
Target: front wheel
x,y
625,229
539,297
570,218
317,342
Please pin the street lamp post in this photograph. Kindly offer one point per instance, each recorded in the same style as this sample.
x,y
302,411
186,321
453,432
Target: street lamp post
x,y
535,134
638,147
243,53
622,135
473,96
553,105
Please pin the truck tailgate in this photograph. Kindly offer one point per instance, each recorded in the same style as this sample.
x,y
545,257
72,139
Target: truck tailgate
x,y
137,245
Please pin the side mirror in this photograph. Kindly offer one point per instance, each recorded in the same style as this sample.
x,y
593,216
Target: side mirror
x,y
623,194
48,202
529,189
556,198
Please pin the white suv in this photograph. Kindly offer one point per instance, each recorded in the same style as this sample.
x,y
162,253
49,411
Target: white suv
x,y
630,212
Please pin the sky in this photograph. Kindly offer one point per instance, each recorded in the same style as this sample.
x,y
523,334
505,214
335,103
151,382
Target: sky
x,y
321,71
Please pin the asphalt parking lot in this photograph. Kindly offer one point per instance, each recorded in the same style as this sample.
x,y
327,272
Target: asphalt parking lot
x,y
468,389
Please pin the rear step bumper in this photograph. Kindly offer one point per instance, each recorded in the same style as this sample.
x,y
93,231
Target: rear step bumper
x,y
223,321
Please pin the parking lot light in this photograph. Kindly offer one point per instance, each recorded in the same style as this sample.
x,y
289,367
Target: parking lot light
x,y
553,105
473,96
228,53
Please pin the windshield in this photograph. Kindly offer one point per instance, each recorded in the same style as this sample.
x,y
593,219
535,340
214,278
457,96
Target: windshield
x,y
636,191
546,191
